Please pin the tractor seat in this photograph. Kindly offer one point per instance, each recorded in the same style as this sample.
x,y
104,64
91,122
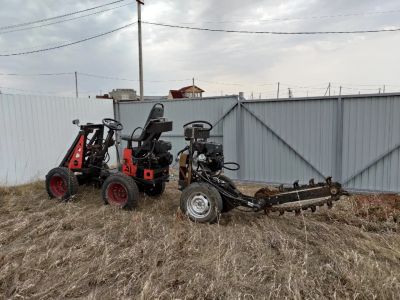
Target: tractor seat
x,y
155,125
153,129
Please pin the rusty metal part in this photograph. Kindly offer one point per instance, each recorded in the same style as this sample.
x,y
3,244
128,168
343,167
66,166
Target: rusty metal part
x,y
311,204
329,192
265,192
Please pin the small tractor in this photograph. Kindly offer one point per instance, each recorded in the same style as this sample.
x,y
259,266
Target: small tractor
x,y
144,167
206,192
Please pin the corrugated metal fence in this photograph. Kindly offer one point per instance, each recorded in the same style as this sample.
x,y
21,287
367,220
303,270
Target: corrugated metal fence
x,y
37,131
356,139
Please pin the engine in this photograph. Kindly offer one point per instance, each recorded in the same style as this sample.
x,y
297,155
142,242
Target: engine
x,y
209,155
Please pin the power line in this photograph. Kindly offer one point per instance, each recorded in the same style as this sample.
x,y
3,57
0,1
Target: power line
x,y
37,74
291,85
69,44
271,32
65,20
27,91
60,16
127,79
237,20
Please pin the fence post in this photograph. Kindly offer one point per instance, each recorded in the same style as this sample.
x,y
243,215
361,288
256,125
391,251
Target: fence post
x,y
339,140
239,138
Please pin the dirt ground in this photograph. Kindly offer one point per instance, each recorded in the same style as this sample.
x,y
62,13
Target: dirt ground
x,y
84,249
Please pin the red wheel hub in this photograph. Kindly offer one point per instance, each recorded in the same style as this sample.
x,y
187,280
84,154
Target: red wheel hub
x,y
117,194
58,186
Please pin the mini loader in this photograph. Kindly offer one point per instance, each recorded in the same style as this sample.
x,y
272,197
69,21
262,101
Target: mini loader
x,y
206,192
144,167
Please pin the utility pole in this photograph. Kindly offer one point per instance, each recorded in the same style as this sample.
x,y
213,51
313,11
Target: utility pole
x,y
290,94
340,91
76,84
139,21
277,93
193,87
384,88
329,87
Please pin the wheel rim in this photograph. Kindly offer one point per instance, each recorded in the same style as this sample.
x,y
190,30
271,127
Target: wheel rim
x,y
198,205
58,186
117,194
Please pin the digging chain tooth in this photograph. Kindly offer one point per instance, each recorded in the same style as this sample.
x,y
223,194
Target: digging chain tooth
x,y
281,189
328,180
297,212
296,184
281,212
311,183
313,208
329,204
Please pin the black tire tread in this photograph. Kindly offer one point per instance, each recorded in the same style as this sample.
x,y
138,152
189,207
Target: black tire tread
x,y
71,179
157,190
130,184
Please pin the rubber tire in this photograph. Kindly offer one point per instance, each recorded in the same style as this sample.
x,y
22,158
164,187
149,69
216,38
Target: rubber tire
x,y
129,184
70,178
156,190
213,196
227,204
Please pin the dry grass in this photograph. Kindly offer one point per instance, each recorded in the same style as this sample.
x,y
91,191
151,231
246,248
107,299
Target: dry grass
x,y
87,250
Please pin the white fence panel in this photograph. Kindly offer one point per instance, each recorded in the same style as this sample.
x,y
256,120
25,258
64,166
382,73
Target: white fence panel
x,y
354,138
37,131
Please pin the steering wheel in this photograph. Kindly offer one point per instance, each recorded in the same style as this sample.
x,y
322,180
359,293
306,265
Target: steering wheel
x,y
112,124
208,128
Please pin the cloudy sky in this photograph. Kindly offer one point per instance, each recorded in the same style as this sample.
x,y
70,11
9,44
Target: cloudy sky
x,y
221,63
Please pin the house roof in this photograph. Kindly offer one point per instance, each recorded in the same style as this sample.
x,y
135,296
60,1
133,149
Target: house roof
x,y
189,89
176,94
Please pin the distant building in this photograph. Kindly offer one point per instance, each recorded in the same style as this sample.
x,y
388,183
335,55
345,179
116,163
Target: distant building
x,y
175,94
191,91
123,94
120,95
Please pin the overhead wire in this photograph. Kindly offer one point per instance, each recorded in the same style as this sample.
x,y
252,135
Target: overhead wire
x,y
28,91
271,32
65,20
127,79
70,43
237,20
59,16
37,74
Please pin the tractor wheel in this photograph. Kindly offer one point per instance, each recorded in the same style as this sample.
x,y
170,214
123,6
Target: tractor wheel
x,y
61,183
120,190
201,202
228,204
156,190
